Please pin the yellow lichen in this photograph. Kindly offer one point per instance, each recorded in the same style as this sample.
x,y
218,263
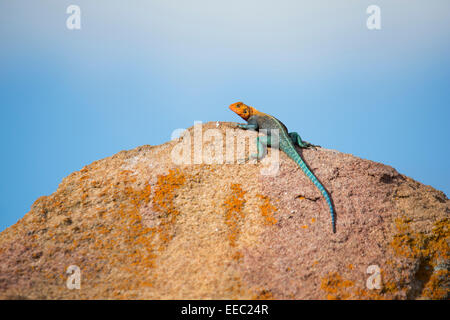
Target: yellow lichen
x,y
437,286
237,256
162,201
124,244
267,210
429,248
336,287
263,295
234,215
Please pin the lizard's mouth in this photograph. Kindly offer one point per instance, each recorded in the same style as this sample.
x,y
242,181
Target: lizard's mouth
x,y
237,111
234,109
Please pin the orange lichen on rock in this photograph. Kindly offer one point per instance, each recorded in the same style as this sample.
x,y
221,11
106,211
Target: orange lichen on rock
x,y
432,246
267,210
336,287
109,239
437,286
237,256
264,295
162,202
135,256
234,215
429,248
138,244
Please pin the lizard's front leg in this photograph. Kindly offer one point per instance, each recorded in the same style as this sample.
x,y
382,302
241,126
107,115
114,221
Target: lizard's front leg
x,y
262,142
247,126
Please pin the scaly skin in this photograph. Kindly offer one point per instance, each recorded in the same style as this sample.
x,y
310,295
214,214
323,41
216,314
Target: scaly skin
x,y
257,120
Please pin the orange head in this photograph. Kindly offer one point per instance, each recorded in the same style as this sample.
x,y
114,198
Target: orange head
x,y
242,110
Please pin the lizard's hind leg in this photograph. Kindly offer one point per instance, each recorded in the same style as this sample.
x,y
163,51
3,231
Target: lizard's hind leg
x,y
262,142
297,140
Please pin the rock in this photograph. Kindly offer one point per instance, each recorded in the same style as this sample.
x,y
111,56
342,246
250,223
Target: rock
x,y
141,226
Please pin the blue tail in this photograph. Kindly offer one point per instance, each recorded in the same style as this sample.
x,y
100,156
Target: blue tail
x,y
296,157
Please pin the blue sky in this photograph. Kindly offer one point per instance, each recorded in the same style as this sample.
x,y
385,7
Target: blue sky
x,y
136,71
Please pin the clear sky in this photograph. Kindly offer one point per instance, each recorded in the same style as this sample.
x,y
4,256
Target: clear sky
x,y
138,70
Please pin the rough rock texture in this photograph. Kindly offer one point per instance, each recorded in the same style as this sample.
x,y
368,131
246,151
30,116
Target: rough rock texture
x,y
141,226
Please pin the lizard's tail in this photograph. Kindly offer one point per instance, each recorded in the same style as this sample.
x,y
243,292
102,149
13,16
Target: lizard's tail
x,y
296,157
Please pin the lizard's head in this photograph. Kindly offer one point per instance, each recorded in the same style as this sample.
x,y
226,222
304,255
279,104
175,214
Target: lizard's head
x,y
242,110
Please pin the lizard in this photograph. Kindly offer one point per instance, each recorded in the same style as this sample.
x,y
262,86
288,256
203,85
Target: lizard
x,y
257,121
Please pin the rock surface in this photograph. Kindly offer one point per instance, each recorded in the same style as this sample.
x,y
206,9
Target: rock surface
x,y
141,226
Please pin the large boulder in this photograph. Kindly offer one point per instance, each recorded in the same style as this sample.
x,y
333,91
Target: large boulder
x,y
144,225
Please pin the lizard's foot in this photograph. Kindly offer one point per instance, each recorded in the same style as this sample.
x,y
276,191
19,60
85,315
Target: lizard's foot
x,y
251,157
241,161
256,157
296,139
247,126
307,145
